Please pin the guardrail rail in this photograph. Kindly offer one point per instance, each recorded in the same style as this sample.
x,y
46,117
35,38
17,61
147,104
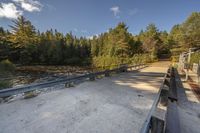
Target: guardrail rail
x,y
164,120
40,86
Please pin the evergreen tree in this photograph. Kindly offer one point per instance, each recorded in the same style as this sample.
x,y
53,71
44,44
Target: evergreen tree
x,y
23,40
4,44
151,40
191,30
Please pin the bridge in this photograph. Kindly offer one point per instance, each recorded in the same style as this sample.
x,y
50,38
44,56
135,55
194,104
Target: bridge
x,y
143,99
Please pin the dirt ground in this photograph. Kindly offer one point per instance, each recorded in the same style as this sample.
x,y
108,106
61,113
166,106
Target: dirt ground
x,y
117,104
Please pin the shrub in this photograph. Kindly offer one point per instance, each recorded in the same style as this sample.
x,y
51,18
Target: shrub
x,y
107,62
6,66
5,84
195,58
142,58
73,61
25,57
86,62
175,58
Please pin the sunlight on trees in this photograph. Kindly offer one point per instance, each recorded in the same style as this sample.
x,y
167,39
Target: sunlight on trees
x,y
27,46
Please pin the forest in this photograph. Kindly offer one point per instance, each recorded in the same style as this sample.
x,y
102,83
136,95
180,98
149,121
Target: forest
x,y
25,45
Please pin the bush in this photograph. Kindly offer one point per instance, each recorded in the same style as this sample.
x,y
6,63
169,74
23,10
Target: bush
x,y
73,61
175,58
5,84
25,57
86,62
142,58
195,58
107,62
6,66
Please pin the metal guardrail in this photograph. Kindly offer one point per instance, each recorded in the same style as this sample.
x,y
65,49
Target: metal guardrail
x,y
40,86
147,124
168,98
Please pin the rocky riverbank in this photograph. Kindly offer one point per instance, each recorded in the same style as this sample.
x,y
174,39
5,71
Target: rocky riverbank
x,y
36,74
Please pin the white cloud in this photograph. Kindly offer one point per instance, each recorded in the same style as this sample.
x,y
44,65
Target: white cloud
x,y
115,10
9,10
30,5
92,37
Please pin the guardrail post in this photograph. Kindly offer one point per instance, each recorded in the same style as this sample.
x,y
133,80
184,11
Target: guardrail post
x,y
69,84
92,77
1,100
169,70
164,97
117,70
121,69
168,75
172,89
107,73
167,82
157,125
125,69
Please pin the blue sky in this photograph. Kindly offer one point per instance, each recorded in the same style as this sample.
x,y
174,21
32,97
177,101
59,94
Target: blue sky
x,y
90,17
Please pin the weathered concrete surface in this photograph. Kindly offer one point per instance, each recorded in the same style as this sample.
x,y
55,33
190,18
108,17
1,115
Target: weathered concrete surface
x,y
117,104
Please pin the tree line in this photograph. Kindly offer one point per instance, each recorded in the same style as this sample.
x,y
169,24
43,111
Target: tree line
x,y
26,45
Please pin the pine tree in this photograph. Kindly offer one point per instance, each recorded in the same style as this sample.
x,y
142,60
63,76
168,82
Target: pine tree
x,y
23,38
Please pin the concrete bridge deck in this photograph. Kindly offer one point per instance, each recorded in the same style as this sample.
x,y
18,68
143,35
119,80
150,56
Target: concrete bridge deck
x,y
116,104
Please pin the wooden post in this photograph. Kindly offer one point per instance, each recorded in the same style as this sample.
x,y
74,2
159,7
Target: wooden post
x,y
187,72
188,62
189,56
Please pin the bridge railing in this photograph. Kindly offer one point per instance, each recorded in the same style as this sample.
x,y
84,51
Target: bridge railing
x,y
159,119
68,81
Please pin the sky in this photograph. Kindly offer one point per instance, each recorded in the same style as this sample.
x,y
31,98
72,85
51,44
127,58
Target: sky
x,y
92,17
